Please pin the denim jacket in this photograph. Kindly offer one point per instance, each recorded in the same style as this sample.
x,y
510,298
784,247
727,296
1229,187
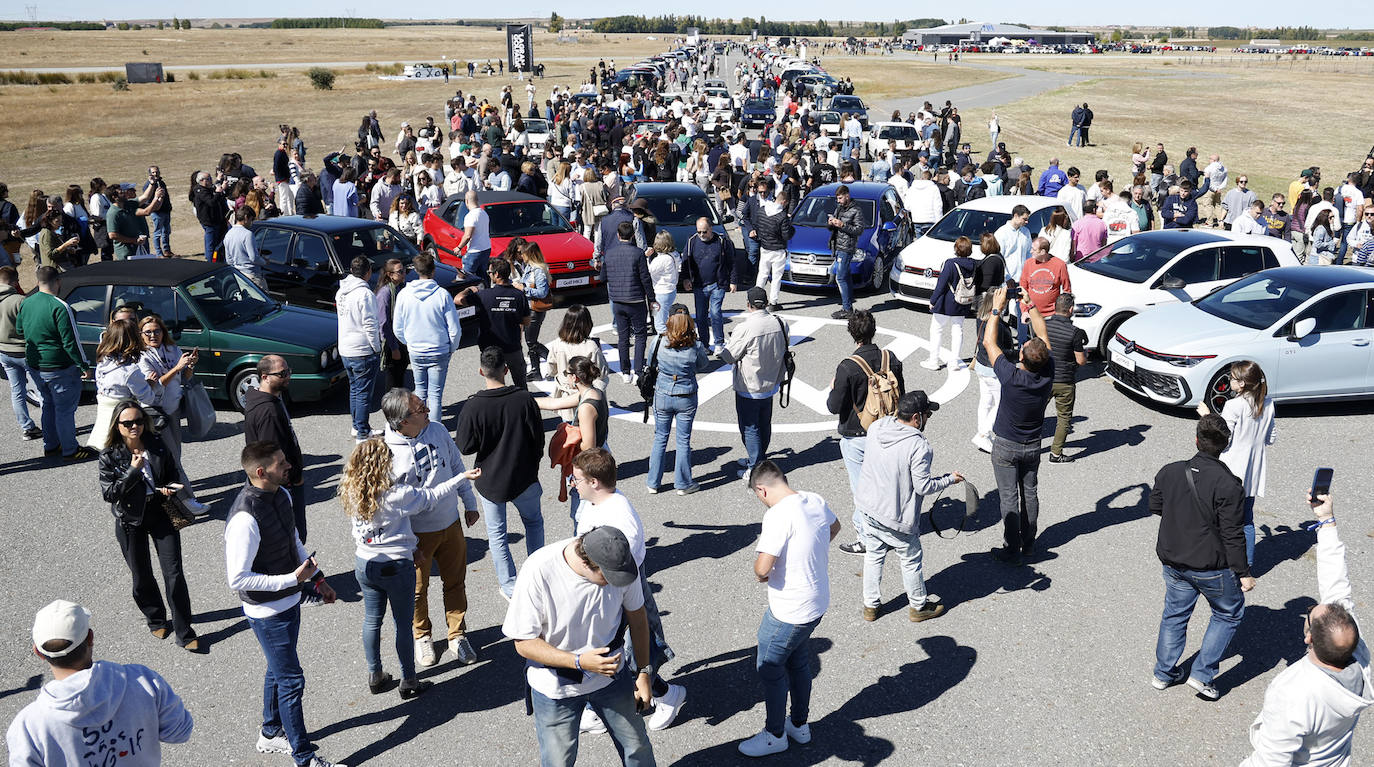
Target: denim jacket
x,y
678,369
536,282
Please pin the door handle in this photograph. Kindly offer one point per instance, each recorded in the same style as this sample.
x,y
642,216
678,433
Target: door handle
x,y
1360,342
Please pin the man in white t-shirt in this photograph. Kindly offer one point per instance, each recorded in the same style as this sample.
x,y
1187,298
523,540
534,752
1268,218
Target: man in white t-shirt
x,y
594,473
1119,216
793,559
476,238
1248,222
1072,195
565,617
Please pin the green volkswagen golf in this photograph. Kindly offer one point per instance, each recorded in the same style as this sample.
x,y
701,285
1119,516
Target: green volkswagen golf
x,y
213,308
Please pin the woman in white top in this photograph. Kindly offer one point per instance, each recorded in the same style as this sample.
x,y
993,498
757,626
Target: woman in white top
x,y
574,340
117,377
406,220
1057,232
664,268
1250,416
380,510
561,190
427,195
98,205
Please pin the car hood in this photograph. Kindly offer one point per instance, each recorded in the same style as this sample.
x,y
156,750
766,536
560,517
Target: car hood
x,y
928,252
309,329
1089,286
816,239
1184,329
562,246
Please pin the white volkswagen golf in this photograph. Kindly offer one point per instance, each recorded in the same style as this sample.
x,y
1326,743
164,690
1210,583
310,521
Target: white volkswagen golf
x,y
1124,278
1311,328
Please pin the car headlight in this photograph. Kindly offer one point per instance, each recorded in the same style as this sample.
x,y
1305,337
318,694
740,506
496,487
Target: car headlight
x,y
324,359
1184,360
1085,310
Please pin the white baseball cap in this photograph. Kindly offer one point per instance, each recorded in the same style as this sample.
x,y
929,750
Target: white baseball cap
x,y
61,620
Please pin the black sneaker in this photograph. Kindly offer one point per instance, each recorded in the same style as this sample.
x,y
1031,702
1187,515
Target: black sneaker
x,y
1061,458
853,548
839,315
411,688
33,434
81,454
1006,555
775,307
52,453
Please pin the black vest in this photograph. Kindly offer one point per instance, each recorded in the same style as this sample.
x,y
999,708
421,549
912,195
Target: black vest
x,y
277,553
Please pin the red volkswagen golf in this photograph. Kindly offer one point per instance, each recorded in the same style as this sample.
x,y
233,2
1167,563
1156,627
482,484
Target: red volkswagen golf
x,y
514,214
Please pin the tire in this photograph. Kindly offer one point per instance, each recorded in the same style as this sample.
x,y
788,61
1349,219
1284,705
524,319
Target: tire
x,y
1109,332
239,383
877,281
1219,390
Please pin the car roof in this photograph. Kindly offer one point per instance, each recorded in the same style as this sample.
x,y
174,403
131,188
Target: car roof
x,y
1185,238
1318,280
893,123
145,271
859,190
1003,203
496,198
322,223
667,189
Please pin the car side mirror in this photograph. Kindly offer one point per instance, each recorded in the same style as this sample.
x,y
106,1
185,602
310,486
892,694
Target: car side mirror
x,y
1302,329
1171,282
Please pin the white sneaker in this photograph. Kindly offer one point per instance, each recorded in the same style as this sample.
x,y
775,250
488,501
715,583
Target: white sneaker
x,y
932,364
277,745
591,722
763,744
960,365
424,652
801,735
626,377
463,649
667,707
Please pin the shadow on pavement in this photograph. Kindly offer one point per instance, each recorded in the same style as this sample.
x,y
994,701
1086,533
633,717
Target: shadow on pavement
x,y
1266,638
706,542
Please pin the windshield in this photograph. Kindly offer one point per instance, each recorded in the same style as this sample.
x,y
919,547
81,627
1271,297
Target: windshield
x,y
1257,302
378,243
225,297
1132,259
898,132
964,222
815,211
828,117
534,125
846,102
680,210
759,104
523,219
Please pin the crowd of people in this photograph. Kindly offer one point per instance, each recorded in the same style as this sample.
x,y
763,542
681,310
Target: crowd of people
x,y
581,612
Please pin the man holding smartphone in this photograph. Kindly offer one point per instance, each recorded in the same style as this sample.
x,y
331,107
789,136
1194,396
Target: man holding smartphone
x,y
266,565
161,213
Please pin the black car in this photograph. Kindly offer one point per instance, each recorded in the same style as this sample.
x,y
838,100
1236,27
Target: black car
x,y
307,256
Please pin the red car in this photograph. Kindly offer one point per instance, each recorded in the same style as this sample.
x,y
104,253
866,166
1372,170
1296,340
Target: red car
x,y
515,214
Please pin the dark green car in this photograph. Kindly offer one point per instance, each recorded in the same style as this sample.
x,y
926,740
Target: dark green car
x,y
213,308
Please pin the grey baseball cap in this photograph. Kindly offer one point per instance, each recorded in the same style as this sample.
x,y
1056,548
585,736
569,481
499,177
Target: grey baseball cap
x,y
609,550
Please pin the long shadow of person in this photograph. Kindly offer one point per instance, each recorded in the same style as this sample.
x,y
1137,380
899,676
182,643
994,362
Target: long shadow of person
x,y
1103,515
709,542
1277,545
1266,638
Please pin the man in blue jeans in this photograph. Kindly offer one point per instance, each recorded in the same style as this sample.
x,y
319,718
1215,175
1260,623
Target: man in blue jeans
x,y
360,342
12,352
267,565
709,262
161,215
426,322
793,559
1026,390
1201,545
53,353
566,619
846,224
756,349
502,425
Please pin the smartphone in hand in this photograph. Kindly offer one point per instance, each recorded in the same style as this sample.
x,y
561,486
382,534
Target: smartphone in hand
x,y
1321,482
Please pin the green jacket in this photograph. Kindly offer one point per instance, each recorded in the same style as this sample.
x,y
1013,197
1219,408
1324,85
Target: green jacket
x,y
11,340
49,330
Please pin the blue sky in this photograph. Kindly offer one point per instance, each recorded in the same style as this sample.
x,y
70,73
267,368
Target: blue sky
x,y
1331,13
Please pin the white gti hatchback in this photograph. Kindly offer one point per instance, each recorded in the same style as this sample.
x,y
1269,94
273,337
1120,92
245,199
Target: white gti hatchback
x,y
1129,276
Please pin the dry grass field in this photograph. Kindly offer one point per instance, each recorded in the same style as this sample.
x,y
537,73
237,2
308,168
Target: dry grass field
x,y
878,78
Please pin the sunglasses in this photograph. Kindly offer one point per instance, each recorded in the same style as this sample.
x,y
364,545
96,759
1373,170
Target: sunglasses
x,y
279,374
131,424
152,332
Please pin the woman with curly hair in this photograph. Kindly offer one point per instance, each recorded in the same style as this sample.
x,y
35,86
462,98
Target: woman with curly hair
x,y
380,510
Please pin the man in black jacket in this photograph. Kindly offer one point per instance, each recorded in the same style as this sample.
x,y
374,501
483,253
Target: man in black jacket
x,y
849,394
265,420
501,424
709,260
1202,547
626,274
309,200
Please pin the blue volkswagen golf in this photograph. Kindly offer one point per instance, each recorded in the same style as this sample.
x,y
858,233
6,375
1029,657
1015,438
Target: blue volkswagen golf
x,y
887,229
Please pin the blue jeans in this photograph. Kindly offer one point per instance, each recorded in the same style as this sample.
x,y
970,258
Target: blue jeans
x,y
751,251
630,322
847,149
1016,466
17,373
527,503
556,722
431,370
755,426
784,665
385,581
668,409
1181,588
665,304
842,278
852,450
214,235
60,391
362,378
710,315
161,241
1076,132
878,539
1248,509
283,685
475,263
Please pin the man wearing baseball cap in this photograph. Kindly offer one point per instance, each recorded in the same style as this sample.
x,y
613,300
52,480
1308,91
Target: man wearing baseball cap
x,y
757,348
132,704
894,480
565,617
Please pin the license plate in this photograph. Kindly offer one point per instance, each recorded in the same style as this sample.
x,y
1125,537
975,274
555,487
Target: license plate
x,y
467,311
571,282
1123,361
810,269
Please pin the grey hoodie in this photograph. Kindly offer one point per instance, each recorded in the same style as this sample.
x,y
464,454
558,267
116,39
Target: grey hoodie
x,y
108,714
896,475
427,461
360,331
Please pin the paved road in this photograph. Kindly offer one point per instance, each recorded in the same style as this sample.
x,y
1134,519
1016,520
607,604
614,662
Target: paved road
x,y
1024,84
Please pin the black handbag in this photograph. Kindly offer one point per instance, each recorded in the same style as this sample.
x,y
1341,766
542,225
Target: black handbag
x,y
648,380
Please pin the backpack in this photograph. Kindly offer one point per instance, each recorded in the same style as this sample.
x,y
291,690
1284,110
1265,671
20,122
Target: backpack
x,y
964,290
883,391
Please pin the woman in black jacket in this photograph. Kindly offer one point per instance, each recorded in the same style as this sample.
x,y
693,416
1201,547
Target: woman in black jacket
x,y
137,475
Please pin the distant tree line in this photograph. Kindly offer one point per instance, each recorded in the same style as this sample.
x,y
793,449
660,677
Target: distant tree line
x,y
327,22
10,26
1279,33
677,25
